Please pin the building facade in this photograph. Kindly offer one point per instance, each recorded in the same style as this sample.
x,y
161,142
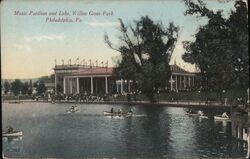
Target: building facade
x,y
75,79
181,79
84,79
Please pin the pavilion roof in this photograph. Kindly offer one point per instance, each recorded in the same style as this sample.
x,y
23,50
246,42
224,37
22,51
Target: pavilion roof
x,y
177,69
95,71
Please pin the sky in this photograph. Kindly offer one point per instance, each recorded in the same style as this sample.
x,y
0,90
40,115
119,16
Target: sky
x,y
31,44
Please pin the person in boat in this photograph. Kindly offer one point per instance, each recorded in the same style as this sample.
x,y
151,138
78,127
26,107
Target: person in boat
x,y
200,113
112,110
119,111
190,111
130,111
74,107
224,115
9,129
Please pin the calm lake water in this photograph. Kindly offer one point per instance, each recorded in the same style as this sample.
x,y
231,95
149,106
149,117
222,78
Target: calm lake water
x,y
154,132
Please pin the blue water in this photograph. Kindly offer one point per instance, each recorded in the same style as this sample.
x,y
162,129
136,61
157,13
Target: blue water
x,y
154,132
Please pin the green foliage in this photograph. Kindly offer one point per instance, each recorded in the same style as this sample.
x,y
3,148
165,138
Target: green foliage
x,y
25,88
146,48
40,84
30,87
16,87
41,88
220,49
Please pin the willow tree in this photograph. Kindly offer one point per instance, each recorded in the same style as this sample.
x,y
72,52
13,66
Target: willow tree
x,y
220,48
146,48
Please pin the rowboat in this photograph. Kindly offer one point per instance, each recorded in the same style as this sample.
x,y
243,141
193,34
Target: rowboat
x,y
193,114
220,118
117,114
12,134
15,102
73,111
198,115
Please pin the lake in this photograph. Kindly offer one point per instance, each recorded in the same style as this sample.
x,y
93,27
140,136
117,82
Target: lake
x,y
153,132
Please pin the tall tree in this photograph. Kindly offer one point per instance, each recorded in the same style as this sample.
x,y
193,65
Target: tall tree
x,y
146,48
238,31
16,87
220,49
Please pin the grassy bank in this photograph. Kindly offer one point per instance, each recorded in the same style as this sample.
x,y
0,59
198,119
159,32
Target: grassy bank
x,y
161,97
186,96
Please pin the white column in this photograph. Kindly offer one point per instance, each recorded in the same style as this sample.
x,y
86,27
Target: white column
x,y
106,84
121,86
64,85
77,85
92,86
117,87
71,83
171,83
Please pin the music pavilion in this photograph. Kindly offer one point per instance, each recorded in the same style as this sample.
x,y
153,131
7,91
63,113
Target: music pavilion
x,y
97,80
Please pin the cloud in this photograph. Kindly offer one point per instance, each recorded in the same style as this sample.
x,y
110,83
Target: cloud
x,y
44,37
103,24
22,47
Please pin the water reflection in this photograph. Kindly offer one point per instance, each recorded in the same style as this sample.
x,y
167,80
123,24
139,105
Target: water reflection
x,y
12,139
154,123
12,146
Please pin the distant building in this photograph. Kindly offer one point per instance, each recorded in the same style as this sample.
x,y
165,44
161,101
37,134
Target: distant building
x,y
181,79
75,79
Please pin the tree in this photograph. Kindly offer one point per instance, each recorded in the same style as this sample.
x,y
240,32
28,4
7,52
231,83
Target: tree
x,y
220,49
6,87
41,88
16,87
25,88
146,48
238,31
30,89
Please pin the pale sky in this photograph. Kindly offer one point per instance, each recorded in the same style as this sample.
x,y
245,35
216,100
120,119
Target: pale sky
x,y
30,45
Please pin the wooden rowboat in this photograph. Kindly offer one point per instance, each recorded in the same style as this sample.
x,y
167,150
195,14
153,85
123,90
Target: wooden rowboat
x,y
220,118
12,134
117,114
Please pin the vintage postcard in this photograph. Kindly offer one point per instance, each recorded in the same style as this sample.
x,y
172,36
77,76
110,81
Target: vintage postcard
x,y
125,79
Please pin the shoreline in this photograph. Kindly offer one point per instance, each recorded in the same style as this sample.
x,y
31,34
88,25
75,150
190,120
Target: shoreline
x,y
191,104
